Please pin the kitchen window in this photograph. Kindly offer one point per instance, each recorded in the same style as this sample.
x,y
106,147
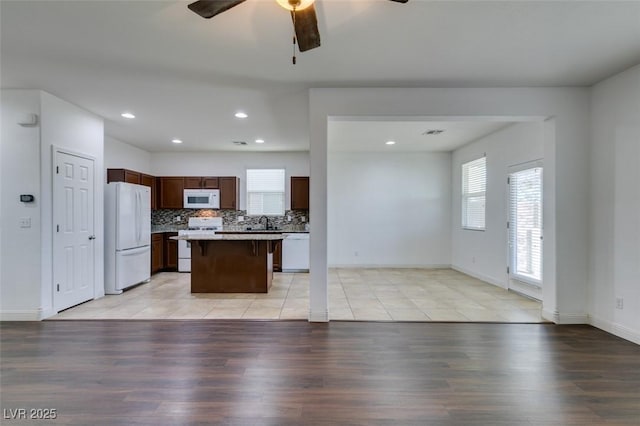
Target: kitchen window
x,y
265,192
474,186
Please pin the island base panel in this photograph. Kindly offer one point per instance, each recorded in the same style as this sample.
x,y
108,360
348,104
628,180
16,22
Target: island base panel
x,y
231,266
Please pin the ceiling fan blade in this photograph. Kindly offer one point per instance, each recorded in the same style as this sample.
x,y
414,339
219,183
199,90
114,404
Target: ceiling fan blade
x,y
210,8
400,1
306,27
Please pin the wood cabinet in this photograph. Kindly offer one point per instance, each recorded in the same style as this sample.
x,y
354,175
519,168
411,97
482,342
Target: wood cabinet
x,y
164,252
167,192
299,193
171,191
170,251
150,181
157,252
277,257
123,175
229,192
131,176
198,182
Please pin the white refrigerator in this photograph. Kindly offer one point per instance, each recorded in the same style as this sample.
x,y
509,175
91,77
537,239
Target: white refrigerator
x,y
127,220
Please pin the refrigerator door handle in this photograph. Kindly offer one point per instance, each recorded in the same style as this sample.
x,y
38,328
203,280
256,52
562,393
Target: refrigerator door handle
x,y
140,216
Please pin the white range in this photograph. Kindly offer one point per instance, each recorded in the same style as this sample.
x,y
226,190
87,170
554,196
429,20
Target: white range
x,y
197,226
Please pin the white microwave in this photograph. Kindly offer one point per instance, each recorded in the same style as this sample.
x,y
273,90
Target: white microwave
x,y
201,198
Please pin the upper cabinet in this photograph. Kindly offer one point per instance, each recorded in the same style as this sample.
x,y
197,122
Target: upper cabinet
x,y
197,182
299,192
229,192
123,175
131,176
171,191
150,181
168,192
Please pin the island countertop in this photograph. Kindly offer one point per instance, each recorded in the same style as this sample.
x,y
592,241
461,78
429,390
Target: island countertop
x,y
231,237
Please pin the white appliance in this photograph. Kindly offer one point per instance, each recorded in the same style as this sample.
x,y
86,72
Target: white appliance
x,y
295,252
197,226
201,198
127,219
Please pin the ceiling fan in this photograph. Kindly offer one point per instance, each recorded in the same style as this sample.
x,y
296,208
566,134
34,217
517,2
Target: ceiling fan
x,y
303,14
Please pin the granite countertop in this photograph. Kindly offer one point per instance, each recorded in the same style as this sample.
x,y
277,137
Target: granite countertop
x,y
160,229
260,231
232,237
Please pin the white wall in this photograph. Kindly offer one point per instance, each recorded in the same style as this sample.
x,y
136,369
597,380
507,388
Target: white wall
x,y
393,209
485,254
20,281
120,155
566,153
27,286
614,261
231,164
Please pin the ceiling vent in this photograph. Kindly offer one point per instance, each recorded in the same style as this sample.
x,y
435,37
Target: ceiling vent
x,y
239,143
433,132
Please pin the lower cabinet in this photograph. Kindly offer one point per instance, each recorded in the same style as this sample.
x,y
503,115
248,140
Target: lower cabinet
x,y
277,258
164,252
170,251
157,253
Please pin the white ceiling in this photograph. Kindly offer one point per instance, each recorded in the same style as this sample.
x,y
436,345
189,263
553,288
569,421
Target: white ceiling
x,y
372,135
184,76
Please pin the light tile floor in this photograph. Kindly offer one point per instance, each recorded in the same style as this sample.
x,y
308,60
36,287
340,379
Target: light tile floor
x,y
354,294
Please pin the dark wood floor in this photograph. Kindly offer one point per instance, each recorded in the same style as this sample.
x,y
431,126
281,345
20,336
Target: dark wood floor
x,y
297,373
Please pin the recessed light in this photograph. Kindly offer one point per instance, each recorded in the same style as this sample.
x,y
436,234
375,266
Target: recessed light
x,y
128,115
259,140
176,141
241,114
390,142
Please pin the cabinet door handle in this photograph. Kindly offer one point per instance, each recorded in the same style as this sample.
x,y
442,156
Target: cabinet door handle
x,y
92,237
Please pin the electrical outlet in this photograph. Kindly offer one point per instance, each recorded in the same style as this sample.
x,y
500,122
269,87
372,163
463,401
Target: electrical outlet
x,y
25,222
303,219
355,253
619,303
240,218
473,259
288,218
176,219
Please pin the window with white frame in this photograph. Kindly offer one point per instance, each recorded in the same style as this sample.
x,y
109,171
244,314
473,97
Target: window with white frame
x,y
474,187
525,224
265,192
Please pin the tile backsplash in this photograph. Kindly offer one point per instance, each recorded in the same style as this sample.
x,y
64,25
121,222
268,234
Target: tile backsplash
x,y
165,218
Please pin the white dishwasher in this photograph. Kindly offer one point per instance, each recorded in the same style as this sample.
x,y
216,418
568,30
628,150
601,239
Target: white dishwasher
x,y
295,252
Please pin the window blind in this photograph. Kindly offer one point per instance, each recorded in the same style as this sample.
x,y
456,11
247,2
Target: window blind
x,y
474,185
525,224
265,191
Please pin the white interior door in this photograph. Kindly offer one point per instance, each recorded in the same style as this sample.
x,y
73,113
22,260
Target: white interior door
x,y
525,230
73,240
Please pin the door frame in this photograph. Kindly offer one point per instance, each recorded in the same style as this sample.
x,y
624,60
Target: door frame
x,y
523,287
55,149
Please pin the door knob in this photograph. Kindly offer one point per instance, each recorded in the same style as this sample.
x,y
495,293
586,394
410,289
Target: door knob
x,y
92,237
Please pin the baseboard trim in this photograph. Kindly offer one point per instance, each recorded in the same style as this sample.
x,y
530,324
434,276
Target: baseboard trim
x,y
378,266
21,315
482,277
565,318
319,316
616,329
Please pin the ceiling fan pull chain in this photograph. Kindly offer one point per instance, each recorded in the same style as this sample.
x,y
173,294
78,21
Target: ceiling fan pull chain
x,y
293,15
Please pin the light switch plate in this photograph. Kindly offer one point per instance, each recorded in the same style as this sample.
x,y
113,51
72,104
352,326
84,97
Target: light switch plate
x,y
25,222
240,218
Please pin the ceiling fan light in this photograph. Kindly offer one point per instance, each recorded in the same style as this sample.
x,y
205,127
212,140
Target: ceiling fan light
x,y
299,4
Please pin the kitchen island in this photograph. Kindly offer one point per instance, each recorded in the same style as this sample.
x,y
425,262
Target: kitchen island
x,y
232,263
